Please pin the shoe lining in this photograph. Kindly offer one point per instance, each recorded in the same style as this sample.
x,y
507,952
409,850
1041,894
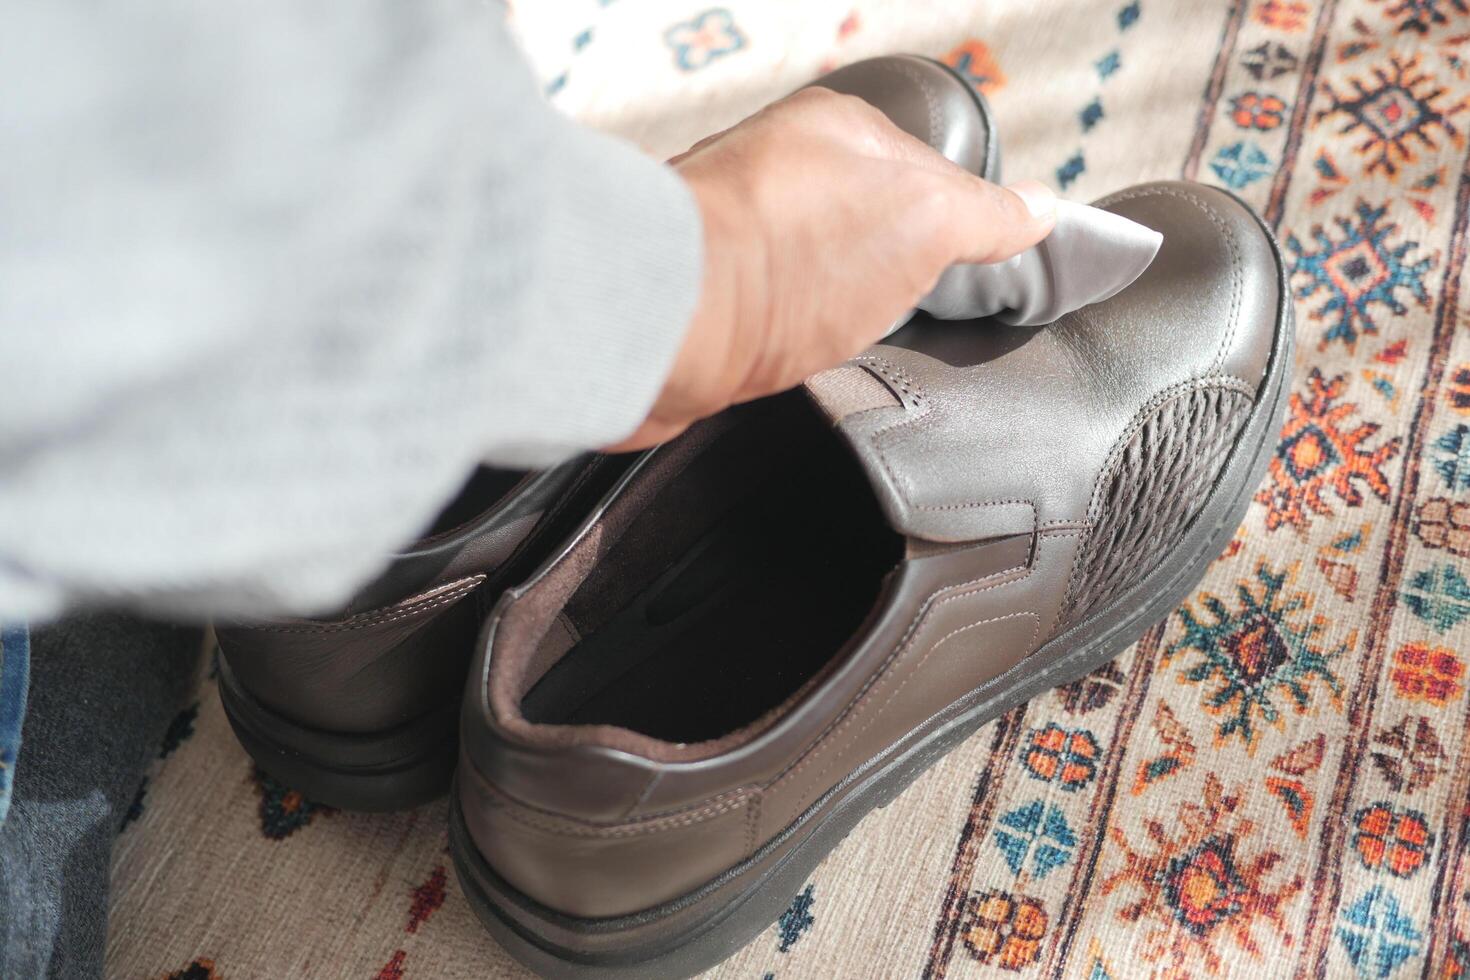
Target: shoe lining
x,y
735,585
486,488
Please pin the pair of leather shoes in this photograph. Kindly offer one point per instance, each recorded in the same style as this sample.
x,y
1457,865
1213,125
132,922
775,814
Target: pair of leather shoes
x,y
705,664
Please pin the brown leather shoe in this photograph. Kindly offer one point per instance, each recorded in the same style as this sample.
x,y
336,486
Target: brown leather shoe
x,y
360,710
774,623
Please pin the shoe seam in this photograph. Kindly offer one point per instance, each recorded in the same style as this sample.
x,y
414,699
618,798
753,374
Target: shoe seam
x,y
383,617
539,819
838,724
1231,245
882,706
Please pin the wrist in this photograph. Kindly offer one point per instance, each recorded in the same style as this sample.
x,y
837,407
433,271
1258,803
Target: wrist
x,y
709,369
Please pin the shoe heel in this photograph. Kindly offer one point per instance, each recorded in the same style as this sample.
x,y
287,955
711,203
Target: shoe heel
x,y
378,772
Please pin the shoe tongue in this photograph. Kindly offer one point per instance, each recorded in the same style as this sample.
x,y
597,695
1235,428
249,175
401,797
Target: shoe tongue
x,y
873,395
868,384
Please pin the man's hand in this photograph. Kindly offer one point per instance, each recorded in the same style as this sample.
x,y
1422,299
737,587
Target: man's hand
x,y
823,223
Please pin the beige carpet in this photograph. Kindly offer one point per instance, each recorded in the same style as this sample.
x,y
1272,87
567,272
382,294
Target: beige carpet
x,y
1273,783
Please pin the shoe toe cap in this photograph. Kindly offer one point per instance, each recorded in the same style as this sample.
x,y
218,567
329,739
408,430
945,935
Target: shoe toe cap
x,y
1210,302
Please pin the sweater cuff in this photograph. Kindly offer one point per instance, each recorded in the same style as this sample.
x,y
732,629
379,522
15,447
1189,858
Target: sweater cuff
x,y
620,275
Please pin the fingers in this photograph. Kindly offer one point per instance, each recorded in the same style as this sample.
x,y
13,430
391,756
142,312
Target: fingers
x,y
982,222
709,140
651,433
972,219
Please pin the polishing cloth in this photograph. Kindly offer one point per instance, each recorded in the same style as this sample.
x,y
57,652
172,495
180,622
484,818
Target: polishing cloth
x,y
1090,255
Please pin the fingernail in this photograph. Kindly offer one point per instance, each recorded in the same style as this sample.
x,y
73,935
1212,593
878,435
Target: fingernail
x,y
1039,199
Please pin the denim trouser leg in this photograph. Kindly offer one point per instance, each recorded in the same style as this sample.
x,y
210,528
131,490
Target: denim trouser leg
x,y
15,654
102,692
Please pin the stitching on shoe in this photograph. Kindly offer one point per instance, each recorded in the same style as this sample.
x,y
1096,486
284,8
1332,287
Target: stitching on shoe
x,y
1237,280
912,670
1064,523
539,819
877,440
893,375
838,724
930,102
384,617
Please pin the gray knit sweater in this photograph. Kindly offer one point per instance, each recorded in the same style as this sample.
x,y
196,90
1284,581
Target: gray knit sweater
x,y
275,276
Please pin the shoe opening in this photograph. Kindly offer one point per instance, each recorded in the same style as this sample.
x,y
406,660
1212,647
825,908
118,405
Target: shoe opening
x,y
739,577
486,488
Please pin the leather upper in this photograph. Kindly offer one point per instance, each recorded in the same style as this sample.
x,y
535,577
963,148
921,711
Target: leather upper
x,y
928,101
1034,472
1005,430
400,647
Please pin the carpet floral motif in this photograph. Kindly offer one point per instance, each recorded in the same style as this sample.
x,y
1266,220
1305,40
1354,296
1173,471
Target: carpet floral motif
x,y
1378,934
1444,523
1425,673
1054,754
1397,841
1409,756
1004,930
1035,836
1321,452
1204,884
1439,595
1258,659
1353,276
1397,113
1418,16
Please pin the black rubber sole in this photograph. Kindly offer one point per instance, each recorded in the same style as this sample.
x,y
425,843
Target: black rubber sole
x,y
707,926
375,772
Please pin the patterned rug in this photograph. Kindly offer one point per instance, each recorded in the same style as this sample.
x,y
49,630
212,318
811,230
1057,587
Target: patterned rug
x,y
1274,782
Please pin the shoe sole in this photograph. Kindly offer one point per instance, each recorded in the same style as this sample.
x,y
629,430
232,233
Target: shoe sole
x,y
698,931
375,772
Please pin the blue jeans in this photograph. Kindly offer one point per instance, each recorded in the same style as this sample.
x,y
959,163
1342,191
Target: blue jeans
x,y
15,657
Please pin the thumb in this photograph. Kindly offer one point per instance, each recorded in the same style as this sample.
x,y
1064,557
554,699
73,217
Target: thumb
x,y
992,223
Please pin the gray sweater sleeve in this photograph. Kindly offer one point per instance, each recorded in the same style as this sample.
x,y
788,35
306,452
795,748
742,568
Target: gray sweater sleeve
x,y
277,275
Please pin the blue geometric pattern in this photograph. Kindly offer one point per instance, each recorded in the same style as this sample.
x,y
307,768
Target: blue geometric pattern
x,y
1241,164
1037,830
1377,935
1439,595
1452,461
796,920
705,37
1091,114
1359,271
1071,170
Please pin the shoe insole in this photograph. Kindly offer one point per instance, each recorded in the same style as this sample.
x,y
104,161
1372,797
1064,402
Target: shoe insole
x,y
736,624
